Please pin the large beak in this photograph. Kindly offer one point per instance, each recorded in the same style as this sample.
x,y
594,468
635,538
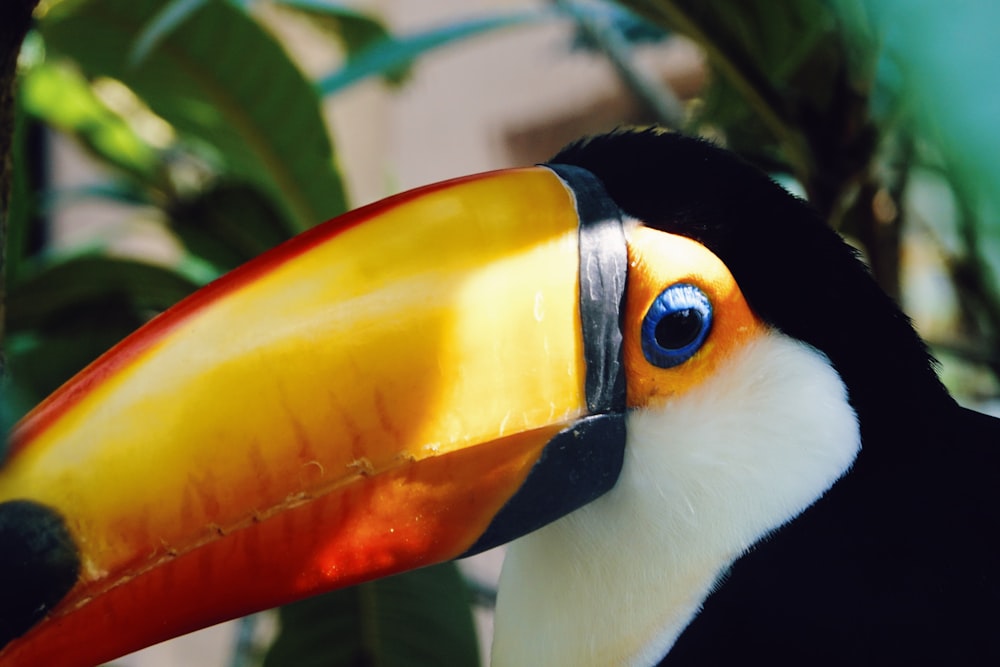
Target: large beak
x,y
420,379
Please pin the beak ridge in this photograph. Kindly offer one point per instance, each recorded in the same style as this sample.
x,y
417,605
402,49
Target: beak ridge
x,y
346,407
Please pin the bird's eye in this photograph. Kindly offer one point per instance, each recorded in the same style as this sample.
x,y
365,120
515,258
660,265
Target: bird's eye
x,y
676,325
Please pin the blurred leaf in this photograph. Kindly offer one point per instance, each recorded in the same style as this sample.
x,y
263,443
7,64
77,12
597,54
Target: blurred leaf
x,y
14,403
342,20
355,30
21,199
64,315
751,45
946,59
42,297
58,95
634,29
784,92
417,619
163,22
227,225
393,53
121,191
221,79
42,359
789,48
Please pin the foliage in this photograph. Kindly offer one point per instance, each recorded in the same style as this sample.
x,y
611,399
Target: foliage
x,y
384,623
248,107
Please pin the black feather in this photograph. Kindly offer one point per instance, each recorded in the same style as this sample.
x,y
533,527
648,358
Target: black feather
x,y
896,565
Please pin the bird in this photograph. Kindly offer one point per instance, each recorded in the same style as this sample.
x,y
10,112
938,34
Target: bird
x,y
895,563
681,399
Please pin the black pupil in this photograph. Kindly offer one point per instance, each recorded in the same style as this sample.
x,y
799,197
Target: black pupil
x,y
678,329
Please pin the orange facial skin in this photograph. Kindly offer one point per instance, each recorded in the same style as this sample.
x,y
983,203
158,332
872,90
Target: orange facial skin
x,y
656,261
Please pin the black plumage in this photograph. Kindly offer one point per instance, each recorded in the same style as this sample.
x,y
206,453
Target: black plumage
x,y
896,564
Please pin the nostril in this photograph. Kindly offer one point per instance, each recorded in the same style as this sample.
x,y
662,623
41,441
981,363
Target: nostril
x,y
39,564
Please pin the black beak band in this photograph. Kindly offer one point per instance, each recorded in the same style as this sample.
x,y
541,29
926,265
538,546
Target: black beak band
x,y
582,462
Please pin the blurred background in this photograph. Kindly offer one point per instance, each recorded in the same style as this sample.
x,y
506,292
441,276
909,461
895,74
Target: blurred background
x,y
159,143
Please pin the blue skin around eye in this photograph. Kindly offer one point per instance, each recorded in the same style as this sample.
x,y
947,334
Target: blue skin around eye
x,y
674,299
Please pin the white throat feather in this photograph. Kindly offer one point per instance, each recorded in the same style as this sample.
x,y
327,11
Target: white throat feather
x,y
706,475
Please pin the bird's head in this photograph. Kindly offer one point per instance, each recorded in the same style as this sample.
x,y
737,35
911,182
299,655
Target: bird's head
x,y
634,361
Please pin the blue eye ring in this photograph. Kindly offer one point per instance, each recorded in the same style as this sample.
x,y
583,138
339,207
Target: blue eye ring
x,y
676,325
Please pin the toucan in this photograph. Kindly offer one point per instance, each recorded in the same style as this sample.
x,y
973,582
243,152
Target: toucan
x,y
706,434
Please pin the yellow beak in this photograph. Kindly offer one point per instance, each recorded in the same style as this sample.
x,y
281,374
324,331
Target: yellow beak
x,y
371,397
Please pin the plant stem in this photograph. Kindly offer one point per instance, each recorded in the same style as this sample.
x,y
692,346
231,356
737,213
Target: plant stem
x,y
657,98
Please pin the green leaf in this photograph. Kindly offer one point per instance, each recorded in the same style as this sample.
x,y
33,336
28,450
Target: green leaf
x,y
945,57
40,361
58,95
762,51
166,19
15,401
785,90
223,80
121,191
354,29
62,316
41,297
335,16
227,225
393,53
417,619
